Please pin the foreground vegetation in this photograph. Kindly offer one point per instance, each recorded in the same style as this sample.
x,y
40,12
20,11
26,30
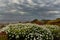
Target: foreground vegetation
x,y
29,31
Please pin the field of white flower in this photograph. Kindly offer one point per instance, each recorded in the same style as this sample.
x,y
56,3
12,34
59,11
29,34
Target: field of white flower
x,y
54,29
28,31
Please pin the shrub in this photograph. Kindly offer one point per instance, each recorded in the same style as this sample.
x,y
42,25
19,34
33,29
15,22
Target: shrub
x,y
55,31
27,32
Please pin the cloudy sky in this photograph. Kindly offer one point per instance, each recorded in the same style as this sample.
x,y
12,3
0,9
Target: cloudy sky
x,y
23,10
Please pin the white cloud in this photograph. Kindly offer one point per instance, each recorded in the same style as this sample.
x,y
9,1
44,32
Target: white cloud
x,y
15,1
56,2
42,5
2,5
12,11
53,11
29,1
22,13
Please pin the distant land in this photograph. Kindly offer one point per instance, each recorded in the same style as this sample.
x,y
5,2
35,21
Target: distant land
x,y
16,21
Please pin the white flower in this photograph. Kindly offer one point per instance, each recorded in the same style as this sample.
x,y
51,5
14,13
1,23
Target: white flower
x,y
17,36
29,30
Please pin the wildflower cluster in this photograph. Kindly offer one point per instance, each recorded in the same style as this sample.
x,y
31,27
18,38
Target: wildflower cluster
x,y
28,31
54,29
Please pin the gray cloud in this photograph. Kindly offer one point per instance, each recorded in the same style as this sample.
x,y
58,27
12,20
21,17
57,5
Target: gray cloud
x,y
29,9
